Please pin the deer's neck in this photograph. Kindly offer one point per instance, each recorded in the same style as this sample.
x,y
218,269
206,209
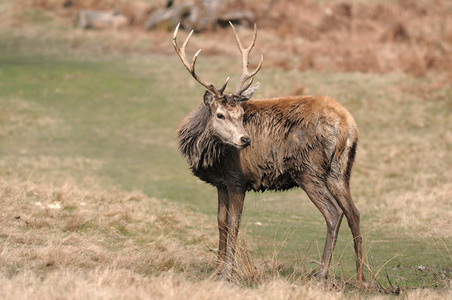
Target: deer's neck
x,y
196,141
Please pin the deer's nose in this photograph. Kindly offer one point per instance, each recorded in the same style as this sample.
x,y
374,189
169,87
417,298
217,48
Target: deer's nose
x,y
246,140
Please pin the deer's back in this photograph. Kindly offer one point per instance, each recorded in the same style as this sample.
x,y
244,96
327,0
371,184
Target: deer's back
x,y
293,136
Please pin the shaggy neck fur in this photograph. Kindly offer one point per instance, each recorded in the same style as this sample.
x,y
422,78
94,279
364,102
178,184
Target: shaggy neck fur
x,y
196,141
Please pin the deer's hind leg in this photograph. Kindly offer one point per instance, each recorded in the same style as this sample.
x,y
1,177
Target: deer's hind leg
x,y
341,192
319,194
338,182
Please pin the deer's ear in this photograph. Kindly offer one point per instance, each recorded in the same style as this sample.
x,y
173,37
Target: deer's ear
x,y
209,98
249,92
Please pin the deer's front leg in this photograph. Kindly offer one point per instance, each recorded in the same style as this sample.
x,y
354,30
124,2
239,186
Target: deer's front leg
x,y
236,198
222,217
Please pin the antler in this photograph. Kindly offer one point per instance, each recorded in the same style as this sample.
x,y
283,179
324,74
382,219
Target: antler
x,y
191,67
246,75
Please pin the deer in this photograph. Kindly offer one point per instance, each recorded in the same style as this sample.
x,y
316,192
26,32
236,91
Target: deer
x,y
239,145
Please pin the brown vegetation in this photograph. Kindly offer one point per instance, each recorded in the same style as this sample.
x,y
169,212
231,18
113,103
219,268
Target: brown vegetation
x,y
65,241
406,36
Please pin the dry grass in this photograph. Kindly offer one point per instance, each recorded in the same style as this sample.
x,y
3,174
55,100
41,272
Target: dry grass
x,y
47,228
116,284
85,243
424,213
381,36
123,284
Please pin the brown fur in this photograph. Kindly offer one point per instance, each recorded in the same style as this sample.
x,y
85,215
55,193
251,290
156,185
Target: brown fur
x,y
301,141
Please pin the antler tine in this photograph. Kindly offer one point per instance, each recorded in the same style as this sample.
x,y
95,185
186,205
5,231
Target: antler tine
x,y
224,85
181,51
191,67
246,75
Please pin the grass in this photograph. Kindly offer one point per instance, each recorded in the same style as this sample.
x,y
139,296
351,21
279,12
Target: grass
x,y
98,203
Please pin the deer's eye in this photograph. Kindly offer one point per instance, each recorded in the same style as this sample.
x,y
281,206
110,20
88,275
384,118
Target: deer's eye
x,y
220,116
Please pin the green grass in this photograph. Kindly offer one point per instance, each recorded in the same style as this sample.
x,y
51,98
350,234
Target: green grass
x,y
110,119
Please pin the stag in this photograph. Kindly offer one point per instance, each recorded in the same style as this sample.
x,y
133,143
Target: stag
x,y
239,145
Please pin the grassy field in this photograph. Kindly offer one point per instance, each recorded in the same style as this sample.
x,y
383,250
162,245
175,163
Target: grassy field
x,y
97,203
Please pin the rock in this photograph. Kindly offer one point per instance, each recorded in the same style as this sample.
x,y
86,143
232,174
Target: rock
x,y
245,18
185,13
93,19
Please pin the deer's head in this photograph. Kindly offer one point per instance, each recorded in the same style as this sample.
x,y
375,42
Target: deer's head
x,y
226,112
